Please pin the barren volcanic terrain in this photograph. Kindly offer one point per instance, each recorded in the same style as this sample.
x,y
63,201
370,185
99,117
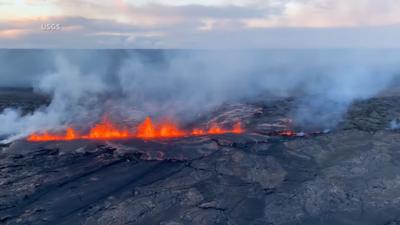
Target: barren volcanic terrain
x,y
272,174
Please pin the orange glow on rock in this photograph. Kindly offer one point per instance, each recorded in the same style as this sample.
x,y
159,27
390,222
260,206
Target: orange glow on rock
x,y
216,129
106,130
237,128
198,132
287,133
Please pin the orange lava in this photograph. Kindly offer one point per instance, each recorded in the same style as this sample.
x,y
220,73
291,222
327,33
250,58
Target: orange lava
x,y
287,133
106,130
164,130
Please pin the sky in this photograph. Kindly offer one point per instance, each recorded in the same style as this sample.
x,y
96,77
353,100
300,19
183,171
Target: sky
x,y
200,24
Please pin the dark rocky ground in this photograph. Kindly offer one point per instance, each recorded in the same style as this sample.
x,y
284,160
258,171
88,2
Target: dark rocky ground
x,y
349,176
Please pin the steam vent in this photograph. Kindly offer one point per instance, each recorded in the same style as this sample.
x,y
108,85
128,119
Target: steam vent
x,y
150,137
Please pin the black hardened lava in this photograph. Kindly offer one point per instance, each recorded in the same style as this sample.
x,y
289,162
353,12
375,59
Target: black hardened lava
x,y
346,176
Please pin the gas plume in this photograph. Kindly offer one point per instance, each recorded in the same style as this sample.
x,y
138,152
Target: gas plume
x,y
130,85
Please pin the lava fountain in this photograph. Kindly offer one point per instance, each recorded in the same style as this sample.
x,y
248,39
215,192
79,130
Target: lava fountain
x,y
106,130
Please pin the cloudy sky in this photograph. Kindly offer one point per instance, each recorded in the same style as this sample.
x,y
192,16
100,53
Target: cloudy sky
x,y
200,23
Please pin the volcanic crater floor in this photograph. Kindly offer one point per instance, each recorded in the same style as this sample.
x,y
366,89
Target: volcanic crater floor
x,y
350,175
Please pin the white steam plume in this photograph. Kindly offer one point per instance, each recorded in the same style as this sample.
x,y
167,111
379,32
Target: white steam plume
x,y
187,83
72,95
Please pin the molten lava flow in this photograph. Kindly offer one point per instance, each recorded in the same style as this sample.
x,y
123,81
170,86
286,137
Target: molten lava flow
x,y
145,130
106,130
198,132
165,129
46,136
168,129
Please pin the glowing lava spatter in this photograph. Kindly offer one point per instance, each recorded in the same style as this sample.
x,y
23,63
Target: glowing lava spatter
x,y
106,129
166,129
146,130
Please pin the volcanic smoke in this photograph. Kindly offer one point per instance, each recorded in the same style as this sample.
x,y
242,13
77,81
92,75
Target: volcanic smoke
x,y
106,130
187,85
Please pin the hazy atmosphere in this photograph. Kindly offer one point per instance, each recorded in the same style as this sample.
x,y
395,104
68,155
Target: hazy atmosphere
x,y
184,84
200,112
200,24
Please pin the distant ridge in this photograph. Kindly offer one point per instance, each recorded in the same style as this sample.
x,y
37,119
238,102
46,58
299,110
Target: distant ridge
x,y
16,89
